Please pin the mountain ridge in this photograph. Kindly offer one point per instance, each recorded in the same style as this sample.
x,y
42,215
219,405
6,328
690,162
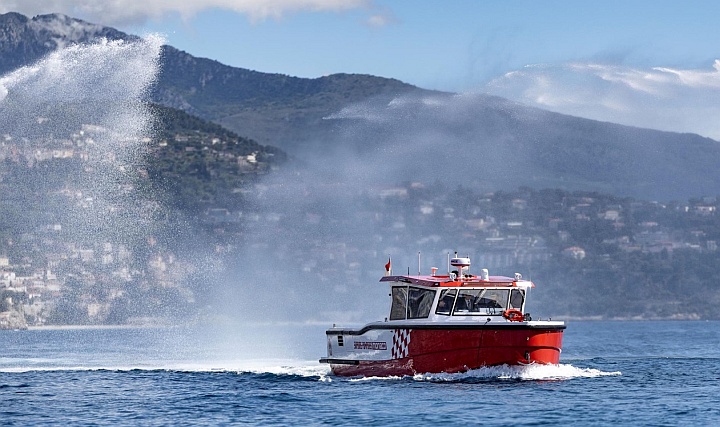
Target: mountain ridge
x,y
347,114
24,40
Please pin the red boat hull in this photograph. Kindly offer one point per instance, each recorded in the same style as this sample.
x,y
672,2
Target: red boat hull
x,y
434,350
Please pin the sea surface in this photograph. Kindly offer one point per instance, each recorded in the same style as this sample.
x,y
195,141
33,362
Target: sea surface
x,y
660,373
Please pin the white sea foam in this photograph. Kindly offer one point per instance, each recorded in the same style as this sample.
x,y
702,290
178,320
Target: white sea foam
x,y
264,366
258,366
522,372
505,372
283,367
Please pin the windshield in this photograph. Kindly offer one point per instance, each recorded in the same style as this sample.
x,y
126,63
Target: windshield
x,y
481,302
446,301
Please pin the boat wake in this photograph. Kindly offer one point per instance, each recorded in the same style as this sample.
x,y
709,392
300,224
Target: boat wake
x,y
531,372
311,369
277,367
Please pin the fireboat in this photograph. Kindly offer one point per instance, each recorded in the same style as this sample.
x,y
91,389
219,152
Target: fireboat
x,y
447,323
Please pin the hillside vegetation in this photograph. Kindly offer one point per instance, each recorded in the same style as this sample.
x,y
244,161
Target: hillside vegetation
x,y
199,165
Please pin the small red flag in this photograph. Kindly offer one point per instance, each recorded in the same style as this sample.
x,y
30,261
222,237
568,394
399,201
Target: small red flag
x,y
387,266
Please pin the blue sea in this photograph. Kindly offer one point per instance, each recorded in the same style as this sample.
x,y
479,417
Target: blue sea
x,y
660,373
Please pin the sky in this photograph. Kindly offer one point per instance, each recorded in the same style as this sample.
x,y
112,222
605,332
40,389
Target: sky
x,y
642,63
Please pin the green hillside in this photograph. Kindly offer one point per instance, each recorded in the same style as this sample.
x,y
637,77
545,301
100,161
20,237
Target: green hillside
x,y
199,164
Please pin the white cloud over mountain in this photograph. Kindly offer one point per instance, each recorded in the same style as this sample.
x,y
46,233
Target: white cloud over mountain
x,y
116,12
679,100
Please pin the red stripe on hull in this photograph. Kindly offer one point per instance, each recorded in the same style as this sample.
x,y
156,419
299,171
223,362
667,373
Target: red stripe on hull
x,y
451,351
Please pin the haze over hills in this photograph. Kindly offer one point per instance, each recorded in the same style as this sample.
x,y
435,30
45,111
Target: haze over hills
x,y
374,118
494,144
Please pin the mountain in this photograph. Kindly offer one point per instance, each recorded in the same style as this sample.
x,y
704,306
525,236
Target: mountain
x,y
198,163
24,40
401,132
492,143
270,108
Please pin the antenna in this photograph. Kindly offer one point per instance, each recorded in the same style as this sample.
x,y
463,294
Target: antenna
x,y
418,263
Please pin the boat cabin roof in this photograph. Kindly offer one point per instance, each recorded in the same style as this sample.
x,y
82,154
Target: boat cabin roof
x,y
467,280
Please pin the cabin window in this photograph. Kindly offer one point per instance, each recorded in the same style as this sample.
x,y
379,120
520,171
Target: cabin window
x,y
411,303
493,301
517,298
445,303
465,303
419,303
481,301
399,303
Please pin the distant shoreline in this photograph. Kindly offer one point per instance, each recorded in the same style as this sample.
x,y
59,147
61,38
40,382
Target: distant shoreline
x,y
91,327
684,318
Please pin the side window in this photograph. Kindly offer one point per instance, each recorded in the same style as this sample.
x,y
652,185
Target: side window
x,y
399,303
419,303
445,303
517,298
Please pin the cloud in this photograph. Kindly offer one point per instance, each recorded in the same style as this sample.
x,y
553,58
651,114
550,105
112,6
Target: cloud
x,y
664,98
378,21
382,17
118,12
